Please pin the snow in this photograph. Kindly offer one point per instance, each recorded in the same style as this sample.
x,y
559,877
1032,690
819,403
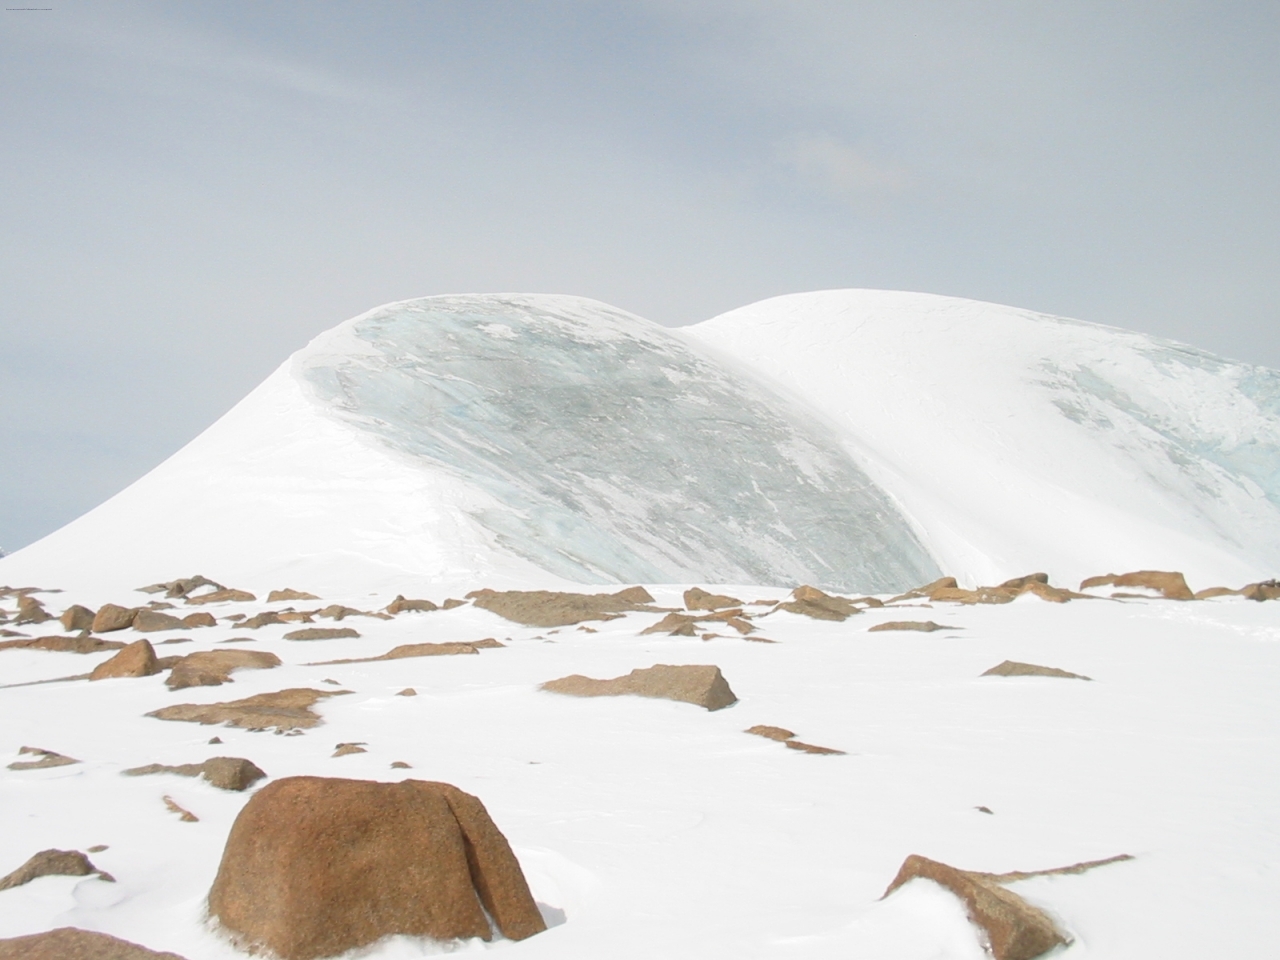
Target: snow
x,y
977,440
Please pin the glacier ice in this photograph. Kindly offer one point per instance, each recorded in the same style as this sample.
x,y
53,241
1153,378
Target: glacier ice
x,y
616,450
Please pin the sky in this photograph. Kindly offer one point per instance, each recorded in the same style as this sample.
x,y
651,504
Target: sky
x,y
190,192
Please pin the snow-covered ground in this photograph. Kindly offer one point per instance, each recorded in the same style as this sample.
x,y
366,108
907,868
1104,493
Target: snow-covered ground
x,y
860,440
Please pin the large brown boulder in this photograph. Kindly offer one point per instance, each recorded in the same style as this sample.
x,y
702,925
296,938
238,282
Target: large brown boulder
x,y
112,617
1169,584
316,866
703,685
70,943
76,617
210,668
136,659
547,608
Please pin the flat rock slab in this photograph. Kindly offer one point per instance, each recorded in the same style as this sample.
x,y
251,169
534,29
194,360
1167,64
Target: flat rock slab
x,y
223,596
226,773
1168,583
210,668
409,650
547,608
288,593
703,685
1012,668
69,943
284,710
51,863
63,644
695,598
317,866
920,626
47,758
812,602
321,633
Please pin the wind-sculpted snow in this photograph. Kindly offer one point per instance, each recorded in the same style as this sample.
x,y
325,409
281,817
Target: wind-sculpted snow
x,y
613,450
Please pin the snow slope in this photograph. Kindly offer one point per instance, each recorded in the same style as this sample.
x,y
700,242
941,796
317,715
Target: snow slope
x,y
1017,441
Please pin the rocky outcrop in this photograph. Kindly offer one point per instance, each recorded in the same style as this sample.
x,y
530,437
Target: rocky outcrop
x,y
76,617
547,608
226,773
289,593
71,943
47,758
175,589
210,668
49,863
284,710
703,685
408,650
112,617
137,659
321,633
1169,584
1012,668
695,598
919,626
224,595
315,867
812,602
401,605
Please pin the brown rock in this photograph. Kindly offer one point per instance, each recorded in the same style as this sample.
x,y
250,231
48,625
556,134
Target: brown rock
x,y
70,943
773,733
812,602
1169,584
180,588
927,590
48,758
1264,590
315,867
149,621
31,610
980,595
226,773
285,710
185,815
702,685
336,611
321,633
405,651
289,594
695,598
634,595
111,617
407,692
1015,929
76,617
137,659
401,605
200,619
400,765
675,625
48,863
210,668
1017,583
813,748
452,603
81,644
297,616
1210,592
1012,668
223,596
546,608
922,626
264,619
344,749
1053,594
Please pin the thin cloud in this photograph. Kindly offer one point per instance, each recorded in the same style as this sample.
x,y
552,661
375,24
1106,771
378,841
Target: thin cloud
x,y
842,171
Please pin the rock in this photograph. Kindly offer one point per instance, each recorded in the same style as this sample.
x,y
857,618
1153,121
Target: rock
x,y
210,668
321,633
813,748
81,644
1015,929
1012,668
344,749
200,619
180,588
1264,590
400,765
31,610
315,867
47,863
1017,583
675,625
407,692
185,815
48,758
336,611
927,590
226,773
401,605
1169,584
289,594
773,733
111,617
812,602
702,685
921,626
224,596
297,616
980,595
266,618
149,621
488,643
285,710
70,943
137,659
546,608
452,603
76,617
405,651
695,598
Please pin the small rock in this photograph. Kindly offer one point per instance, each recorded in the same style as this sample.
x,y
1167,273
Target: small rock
x,y
399,765
812,748
149,621
70,943
210,668
31,610
76,617
695,598
185,815
46,863
266,618
812,602
215,740
137,659
703,685
409,650
401,605
226,773
200,619
927,590
97,848
922,626
224,596
321,633
1263,590
1012,668
407,692
289,594
344,749
1169,584
773,733
112,617
48,758
180,588
285,710
983,810
451,603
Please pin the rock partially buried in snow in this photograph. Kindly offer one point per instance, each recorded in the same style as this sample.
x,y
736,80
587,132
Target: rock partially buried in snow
x,y
226,773
1012,668
288,593
48,758
547,608
321,633
695,598
1169,584
401,605
71,943
149,621
812,602
225,595
787,738
31,610
920,626
81,644
50,863
137,659
769,732
314,867
284,710
408,650
112,617
209,668
703,685
76,617
1264,590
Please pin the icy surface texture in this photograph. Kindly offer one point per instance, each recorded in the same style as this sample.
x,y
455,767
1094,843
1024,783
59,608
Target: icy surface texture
x,y
617,452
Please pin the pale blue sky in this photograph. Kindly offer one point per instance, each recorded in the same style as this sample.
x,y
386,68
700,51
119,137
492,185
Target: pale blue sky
x,y
190,191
